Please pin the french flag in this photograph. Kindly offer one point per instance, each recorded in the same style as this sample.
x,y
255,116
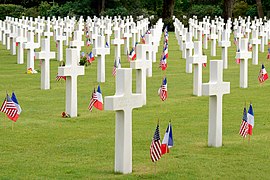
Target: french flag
x,y
250,119
99,102
16,103
132,54
167,140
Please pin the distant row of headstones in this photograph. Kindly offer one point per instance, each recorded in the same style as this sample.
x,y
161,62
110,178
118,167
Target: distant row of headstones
x,y
193,39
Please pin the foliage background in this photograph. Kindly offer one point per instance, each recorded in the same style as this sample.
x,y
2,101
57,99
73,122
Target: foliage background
x,y
92,8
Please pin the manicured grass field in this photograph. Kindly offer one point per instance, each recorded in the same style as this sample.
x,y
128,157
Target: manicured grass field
x,y
43,145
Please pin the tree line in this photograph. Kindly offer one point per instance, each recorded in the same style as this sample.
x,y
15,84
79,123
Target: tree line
x,y
160,8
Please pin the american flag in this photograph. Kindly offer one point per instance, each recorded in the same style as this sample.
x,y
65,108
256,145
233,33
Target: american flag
x,y
155,149
115,66
58,78
92,100
163,91
244,126
9,108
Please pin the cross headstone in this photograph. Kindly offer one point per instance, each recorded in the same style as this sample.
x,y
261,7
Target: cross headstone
x,y
127,35
262,34
213,37
108,31
20,39
133,31
117,41
7,32
123,102
13,36
188,46
206,33
77,43
30,45
71,70
45,55
59,40
101,51
216,88
243,55
141,64
3,29
197,60
225,43
255,45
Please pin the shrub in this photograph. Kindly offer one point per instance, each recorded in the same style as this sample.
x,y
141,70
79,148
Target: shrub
x,y
252,11
240,8
119,11
44,8
10,10
31,12
205,10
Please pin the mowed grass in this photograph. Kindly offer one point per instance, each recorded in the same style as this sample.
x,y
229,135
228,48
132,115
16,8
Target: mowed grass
x,y
43,145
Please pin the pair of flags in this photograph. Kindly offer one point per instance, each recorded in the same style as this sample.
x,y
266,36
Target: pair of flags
x,y
247,122
11,107
157,149
96,100
163,91
263,75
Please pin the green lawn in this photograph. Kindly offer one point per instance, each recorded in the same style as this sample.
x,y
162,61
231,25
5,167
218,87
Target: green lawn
x,y
43,145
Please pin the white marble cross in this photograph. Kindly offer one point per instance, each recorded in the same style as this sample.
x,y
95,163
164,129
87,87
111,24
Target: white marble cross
x,y
243,55
213,37
216,88
141,64
117,41
225,43
127,35
13,36
123,102
197,60
7,32
206,33
59,37
94,36
255,45
133,31
262,34
102,51
20,39
147,50
108,31
188,46
30,45
47,31
45,54
77,43
71,70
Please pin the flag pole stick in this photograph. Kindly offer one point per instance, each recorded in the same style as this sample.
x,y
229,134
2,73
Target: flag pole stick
x,y
12,125
155,168
248,139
